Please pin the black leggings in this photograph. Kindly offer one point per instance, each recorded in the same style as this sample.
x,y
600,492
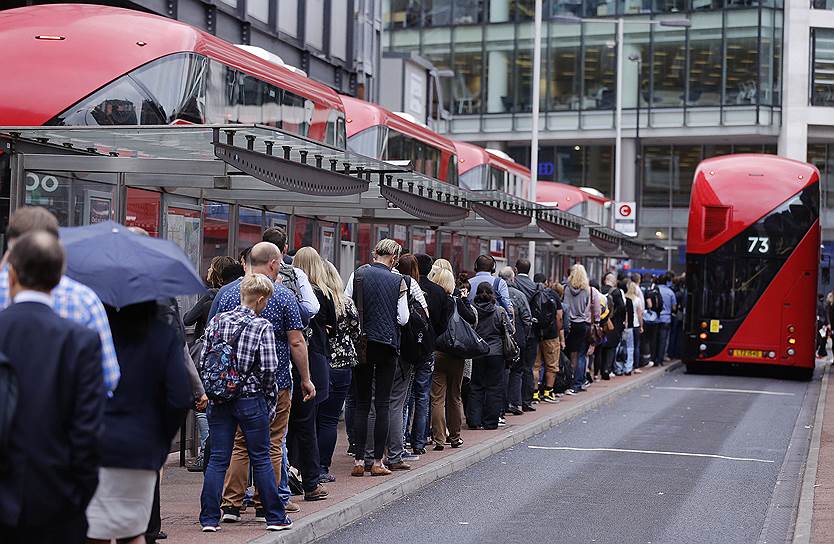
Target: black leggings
x,y
373,380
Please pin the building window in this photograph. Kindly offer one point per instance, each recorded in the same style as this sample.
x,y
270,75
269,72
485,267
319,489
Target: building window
x,y
705,65
499,64
668,68
563,67
599,66
288,17
258,9
467,65
314,24
822,79
741,57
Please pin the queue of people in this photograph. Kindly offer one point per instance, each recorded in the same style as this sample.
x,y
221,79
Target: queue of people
x,y
410,354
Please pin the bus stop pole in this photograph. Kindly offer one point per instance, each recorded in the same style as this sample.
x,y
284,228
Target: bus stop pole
x,y
534,125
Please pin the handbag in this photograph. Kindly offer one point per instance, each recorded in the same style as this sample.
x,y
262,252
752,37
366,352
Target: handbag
x,y
512,353
460,339
361,344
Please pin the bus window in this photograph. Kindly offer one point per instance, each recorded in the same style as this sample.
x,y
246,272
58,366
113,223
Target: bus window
x,y
249,99
497,179
296,113
177,84
230,94
368,142
394,147
341,132
432,161
452,171
122,102
419,156
474,179
271,106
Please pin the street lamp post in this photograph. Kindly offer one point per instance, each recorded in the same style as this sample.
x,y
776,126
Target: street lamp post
x,y
620,22
534,124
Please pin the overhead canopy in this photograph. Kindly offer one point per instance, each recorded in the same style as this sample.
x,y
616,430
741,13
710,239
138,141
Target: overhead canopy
x,y
263,166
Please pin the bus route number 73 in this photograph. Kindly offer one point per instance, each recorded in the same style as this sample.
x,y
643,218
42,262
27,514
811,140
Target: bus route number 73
x,y
758,244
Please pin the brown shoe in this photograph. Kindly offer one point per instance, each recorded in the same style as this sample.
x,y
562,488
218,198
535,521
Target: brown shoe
x,y
291,507
318,494
377,470
358,470
398,466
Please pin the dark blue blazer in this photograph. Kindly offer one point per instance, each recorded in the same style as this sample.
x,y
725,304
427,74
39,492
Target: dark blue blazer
x,y
149,405
57,426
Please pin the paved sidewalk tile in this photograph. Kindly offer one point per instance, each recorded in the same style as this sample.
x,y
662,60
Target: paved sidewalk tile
x,y
181,489
823,517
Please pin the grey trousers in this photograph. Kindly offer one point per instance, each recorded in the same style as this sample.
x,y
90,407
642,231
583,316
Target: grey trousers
x,y
399,393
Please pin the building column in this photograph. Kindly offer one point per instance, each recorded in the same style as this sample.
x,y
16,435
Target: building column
x,y
793,136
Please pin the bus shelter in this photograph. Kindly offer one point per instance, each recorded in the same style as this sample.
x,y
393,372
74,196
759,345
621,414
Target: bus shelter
x,y
212,189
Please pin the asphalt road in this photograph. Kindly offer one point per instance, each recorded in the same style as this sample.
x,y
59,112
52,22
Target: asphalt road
x,y
650,494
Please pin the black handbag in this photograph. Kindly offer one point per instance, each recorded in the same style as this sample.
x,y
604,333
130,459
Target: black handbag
x,y
460,339
512,353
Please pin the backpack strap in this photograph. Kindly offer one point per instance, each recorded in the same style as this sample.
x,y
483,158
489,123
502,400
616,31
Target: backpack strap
x,y
358,297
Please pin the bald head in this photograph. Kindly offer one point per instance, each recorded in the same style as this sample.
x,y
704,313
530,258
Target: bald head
x,y
507,273
265,258
36,262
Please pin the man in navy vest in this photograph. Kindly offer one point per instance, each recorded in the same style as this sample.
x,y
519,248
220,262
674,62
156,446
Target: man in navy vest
x,y
383,308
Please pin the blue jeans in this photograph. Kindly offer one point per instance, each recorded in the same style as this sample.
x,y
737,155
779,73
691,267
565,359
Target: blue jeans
x,y
421,390
328,415
202,429
252,415
637,353
628,343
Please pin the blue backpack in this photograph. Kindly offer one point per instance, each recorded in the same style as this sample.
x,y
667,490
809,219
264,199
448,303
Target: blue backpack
x,y
221,378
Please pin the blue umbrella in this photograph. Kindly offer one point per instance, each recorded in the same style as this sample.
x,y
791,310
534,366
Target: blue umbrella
x,y
125,268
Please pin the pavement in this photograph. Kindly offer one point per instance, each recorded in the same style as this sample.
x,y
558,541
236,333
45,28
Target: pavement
x,y
822,491
682,458
354,498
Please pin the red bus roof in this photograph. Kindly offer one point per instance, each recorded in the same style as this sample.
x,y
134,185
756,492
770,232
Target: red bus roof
x,y
94,45
471,155
361,115
563,195
741,189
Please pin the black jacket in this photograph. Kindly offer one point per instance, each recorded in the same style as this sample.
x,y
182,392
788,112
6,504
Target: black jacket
x,y
440,308
58,421
150,403
198,315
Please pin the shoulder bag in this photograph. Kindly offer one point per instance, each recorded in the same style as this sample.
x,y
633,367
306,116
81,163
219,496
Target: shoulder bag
x,y
460,339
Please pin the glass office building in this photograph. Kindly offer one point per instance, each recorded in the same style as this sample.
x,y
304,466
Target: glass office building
x,y
726,84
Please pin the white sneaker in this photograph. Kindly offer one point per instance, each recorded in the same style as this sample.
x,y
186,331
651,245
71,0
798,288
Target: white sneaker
x,y
280,526
651,364
211,528
570,392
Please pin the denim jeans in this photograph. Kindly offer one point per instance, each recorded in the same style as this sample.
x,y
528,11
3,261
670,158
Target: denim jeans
x,y
628,343
202,429
663,330
637,353
252,415
528,382
421,389
329,412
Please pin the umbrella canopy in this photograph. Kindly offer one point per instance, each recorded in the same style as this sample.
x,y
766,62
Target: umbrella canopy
x,y
124,268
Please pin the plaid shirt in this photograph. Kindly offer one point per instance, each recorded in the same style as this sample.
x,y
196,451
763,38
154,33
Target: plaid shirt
x,y
77,302
256,354
281,311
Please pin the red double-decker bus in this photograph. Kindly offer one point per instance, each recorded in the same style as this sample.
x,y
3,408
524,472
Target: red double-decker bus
x,y
375,132
96,65
752,261
490,169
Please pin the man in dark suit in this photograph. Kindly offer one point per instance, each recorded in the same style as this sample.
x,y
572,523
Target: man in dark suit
x,y
53,449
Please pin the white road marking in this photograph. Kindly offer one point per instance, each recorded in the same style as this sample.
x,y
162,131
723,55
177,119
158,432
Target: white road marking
x,y
673,453
720,390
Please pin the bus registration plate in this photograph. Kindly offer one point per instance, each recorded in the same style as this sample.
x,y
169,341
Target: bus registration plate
x,y
747,353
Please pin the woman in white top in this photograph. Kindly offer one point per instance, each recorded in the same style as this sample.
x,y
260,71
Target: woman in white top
x,y
635,324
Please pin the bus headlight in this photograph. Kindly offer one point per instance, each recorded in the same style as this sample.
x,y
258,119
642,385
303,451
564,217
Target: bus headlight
x,y
791,352
702,347
771,355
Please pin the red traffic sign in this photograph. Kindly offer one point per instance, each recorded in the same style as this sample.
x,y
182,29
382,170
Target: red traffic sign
x,y
625,210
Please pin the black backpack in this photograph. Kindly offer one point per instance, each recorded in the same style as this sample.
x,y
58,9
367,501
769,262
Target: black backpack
x,y
414,347
543,309
564,378
653,294
8,407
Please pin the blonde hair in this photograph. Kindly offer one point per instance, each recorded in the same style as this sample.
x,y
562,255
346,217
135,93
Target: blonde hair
x,y
386,247
334,282
311,263
443,264
632,291
578,278
444,279
254,286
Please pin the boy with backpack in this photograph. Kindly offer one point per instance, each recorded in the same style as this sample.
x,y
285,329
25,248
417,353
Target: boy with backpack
x,y
240,366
